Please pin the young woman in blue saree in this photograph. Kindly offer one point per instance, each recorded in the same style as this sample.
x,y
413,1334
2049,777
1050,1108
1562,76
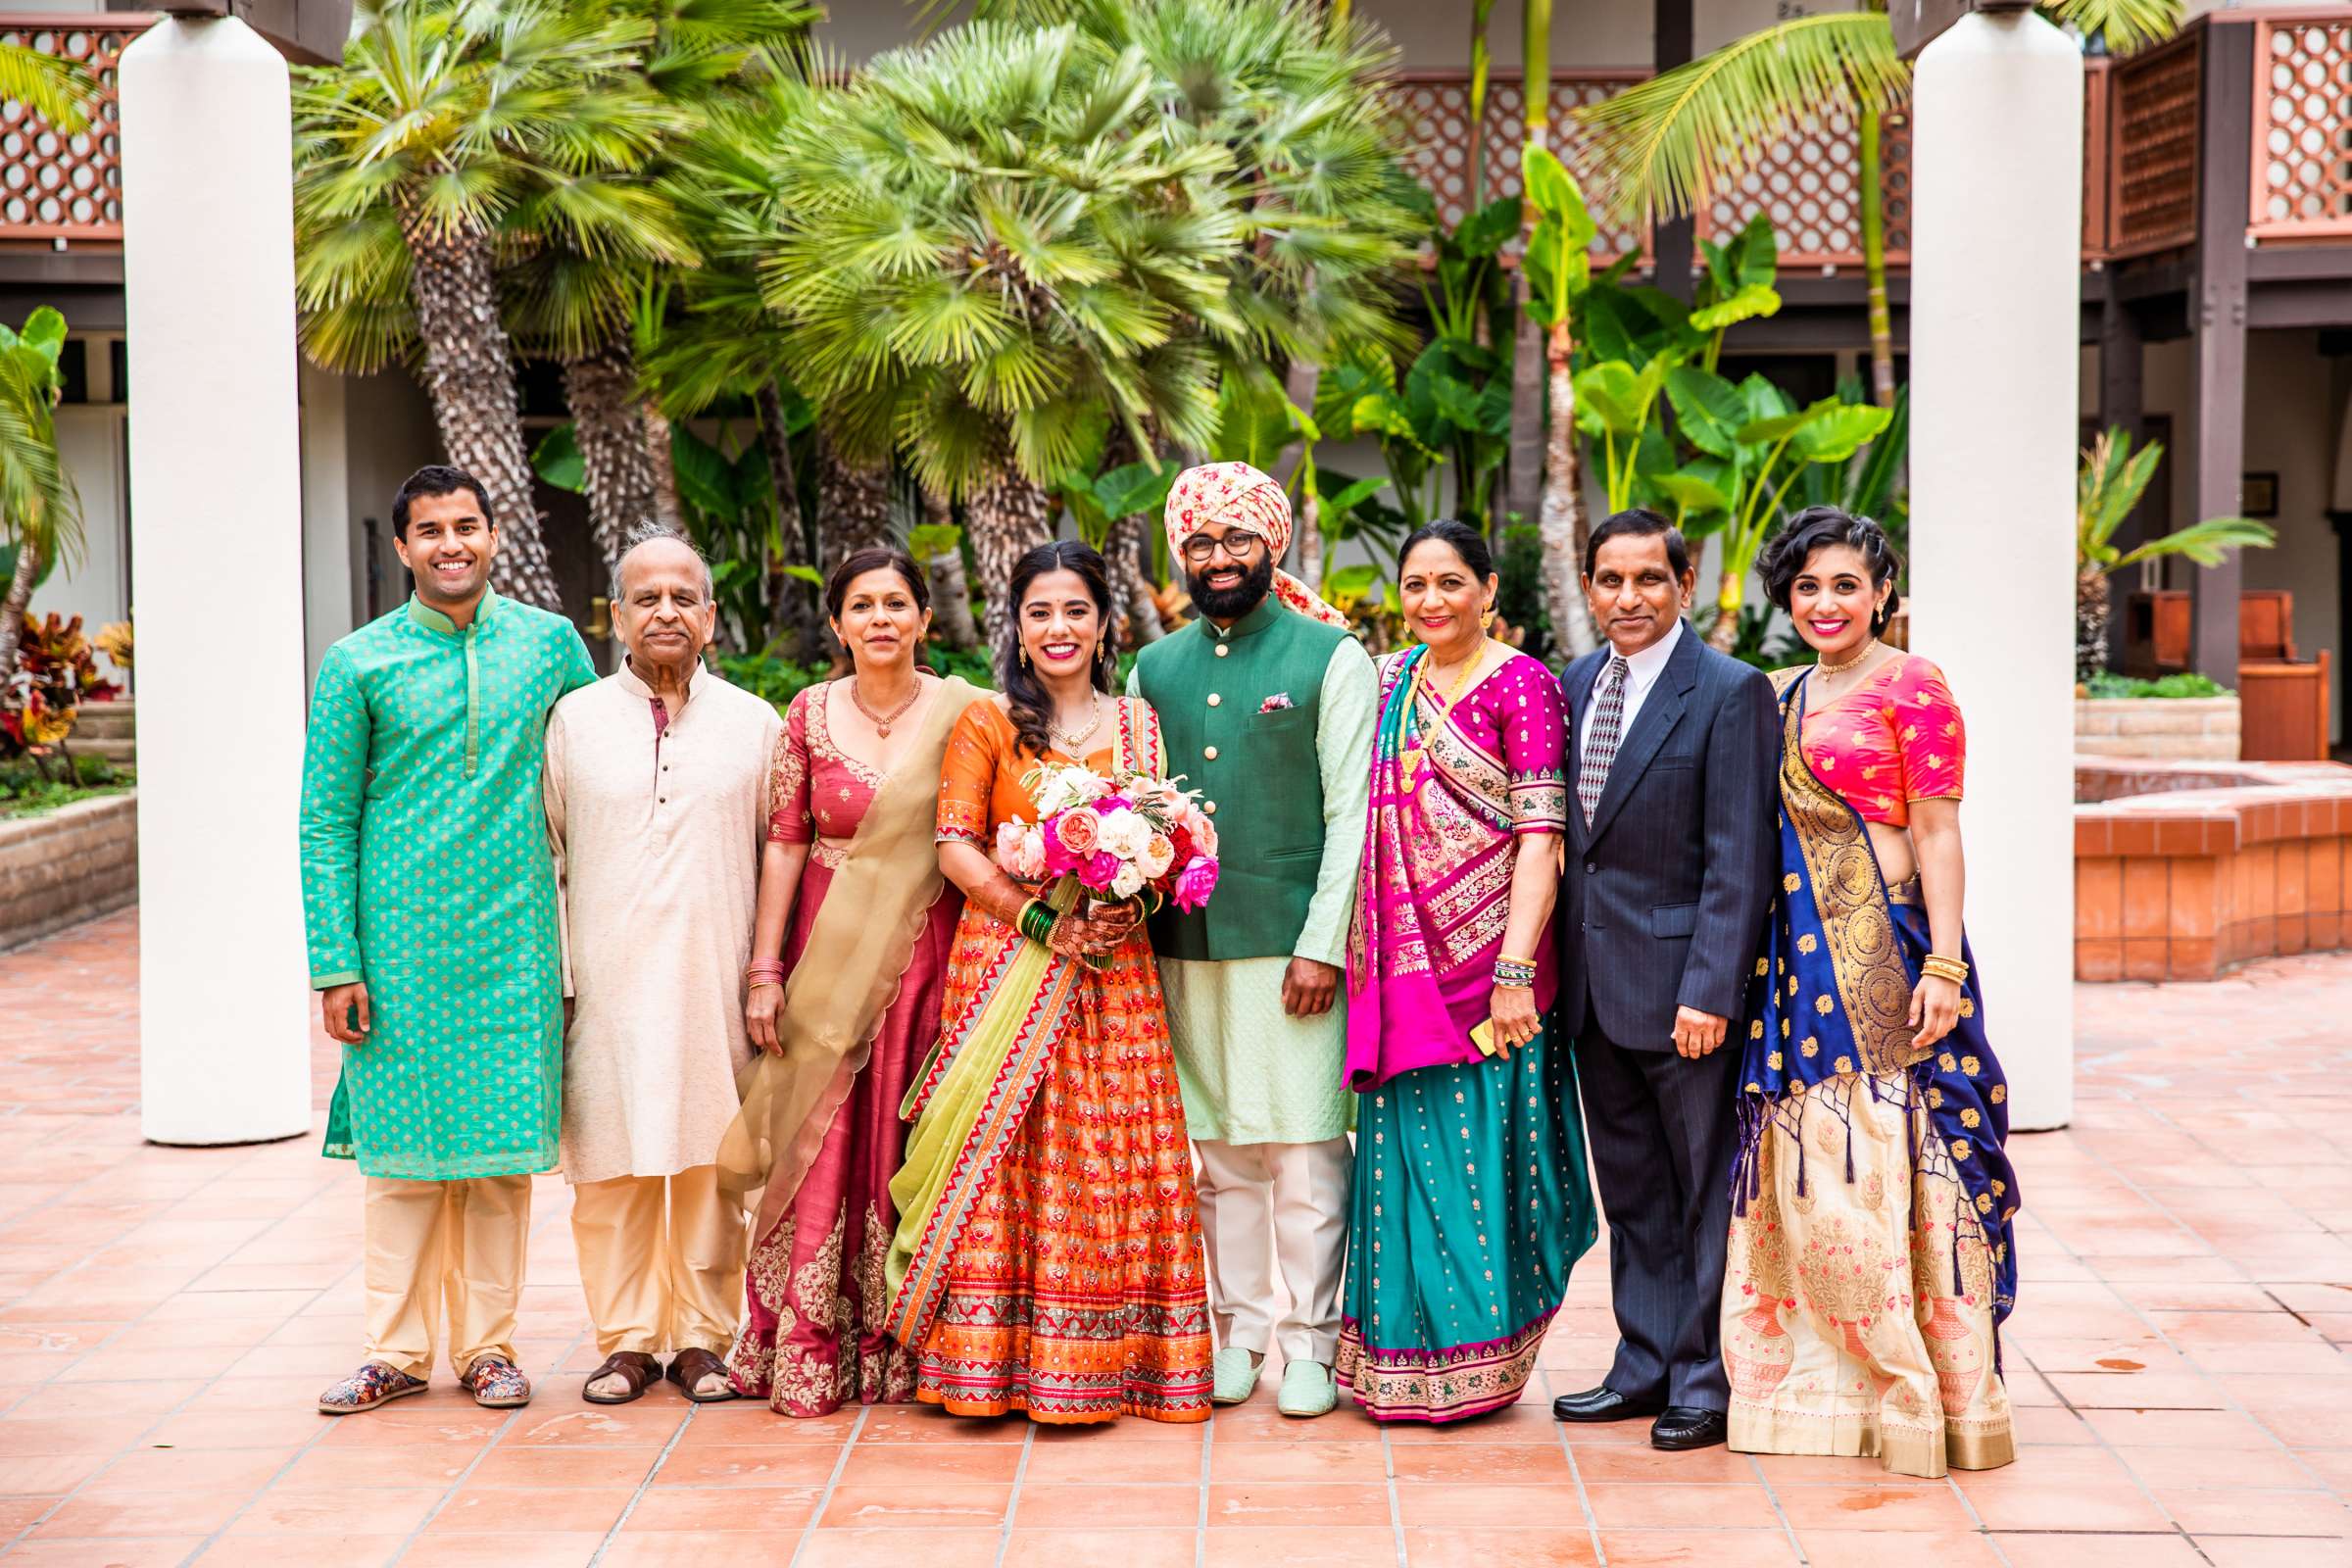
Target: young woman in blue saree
x,y
1872,1253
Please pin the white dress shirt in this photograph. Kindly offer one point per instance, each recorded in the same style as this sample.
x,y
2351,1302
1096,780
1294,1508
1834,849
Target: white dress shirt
x,y
1642,672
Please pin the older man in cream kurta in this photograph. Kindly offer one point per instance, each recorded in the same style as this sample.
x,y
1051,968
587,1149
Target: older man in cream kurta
x,y
656,805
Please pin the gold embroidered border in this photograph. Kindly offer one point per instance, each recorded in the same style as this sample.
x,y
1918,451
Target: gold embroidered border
x,y
1851,900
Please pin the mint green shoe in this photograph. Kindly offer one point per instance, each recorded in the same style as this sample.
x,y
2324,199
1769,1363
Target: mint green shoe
x,y
1234,1375
1307,1390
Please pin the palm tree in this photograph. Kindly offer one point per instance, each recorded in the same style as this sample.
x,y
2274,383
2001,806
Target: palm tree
x,y
1659,148
447,121
40,510
2106,490
984,239
595,291
1527,459
56,90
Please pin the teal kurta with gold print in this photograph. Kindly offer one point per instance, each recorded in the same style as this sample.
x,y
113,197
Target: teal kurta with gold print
x,y
425,873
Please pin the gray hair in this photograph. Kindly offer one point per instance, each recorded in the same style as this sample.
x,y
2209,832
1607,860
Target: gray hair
x,y
646,533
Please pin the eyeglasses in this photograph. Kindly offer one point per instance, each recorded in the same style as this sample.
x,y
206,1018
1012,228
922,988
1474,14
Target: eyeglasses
x,y
1240,544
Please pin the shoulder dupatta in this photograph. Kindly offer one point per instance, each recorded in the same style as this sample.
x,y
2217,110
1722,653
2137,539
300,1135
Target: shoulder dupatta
x,y
1828,1013
846,975
972,1099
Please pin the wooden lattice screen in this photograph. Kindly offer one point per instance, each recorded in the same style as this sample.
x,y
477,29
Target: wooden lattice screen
x,y
54,185
2152,189
2302,186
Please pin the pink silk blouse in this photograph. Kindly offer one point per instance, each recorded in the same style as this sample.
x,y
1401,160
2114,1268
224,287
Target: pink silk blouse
x,y
1895,739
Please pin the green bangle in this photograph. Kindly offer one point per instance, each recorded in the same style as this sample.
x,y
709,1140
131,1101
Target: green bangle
x,y
1036,920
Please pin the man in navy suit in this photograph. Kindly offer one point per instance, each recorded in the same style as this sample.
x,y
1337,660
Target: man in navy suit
x,y
1671,850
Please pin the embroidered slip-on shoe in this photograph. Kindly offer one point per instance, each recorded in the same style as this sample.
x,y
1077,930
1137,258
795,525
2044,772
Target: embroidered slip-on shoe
x,y
1233,1374
497,1384
372,1384
1307,1390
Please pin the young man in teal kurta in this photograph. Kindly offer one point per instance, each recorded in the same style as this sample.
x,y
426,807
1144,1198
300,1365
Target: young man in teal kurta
x,y
1267,706
430,900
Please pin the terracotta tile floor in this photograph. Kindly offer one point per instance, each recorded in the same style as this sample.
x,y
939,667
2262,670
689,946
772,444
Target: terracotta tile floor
x,y
167,1317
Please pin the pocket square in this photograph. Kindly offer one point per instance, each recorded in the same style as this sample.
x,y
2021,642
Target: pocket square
x,y
1276,702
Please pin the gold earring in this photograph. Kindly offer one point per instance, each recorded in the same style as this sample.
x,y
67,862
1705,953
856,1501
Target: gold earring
x,y
1024,656
1485,618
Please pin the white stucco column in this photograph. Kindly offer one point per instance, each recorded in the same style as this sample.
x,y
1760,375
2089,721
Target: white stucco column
x,y
1996,255
216,583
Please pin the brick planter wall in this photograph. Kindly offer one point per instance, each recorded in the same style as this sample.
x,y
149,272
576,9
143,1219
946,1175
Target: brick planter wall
x,y
2172,728
66,866
2197,869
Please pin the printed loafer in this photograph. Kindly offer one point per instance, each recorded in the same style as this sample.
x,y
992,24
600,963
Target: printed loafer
x,y
372,1384
497,1384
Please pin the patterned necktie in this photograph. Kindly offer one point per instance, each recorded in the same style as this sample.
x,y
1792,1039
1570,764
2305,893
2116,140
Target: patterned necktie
x,y
1600,746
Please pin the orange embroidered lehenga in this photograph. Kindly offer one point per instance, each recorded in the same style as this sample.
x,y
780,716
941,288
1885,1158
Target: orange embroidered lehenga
x,y
1049,1253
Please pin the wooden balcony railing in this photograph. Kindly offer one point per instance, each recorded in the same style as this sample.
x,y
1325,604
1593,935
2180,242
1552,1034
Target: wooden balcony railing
x,y
2302,144
2143,145
54,185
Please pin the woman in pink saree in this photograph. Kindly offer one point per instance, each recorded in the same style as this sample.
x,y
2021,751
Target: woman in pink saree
x,y
1470,1201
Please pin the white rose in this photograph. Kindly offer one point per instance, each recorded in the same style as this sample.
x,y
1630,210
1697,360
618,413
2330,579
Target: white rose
x,y
1124,834
1128,883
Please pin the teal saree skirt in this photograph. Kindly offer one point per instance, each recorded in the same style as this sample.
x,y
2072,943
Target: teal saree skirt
x,y
1470,1205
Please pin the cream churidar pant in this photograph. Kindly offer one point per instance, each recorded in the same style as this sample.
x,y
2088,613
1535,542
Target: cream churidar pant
x,y
1284,1204
444,1249
660,1262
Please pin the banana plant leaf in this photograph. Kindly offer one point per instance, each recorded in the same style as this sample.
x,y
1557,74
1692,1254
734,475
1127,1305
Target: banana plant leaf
x,y
1710,411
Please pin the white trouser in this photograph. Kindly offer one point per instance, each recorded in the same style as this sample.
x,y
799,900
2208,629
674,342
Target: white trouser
x,y
1267,1204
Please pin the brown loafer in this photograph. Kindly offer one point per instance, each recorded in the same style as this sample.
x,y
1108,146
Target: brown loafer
x,y
633,1367
689,1367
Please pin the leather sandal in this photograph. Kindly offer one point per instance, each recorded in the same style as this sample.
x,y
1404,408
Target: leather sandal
x,y
634,1368
689,1367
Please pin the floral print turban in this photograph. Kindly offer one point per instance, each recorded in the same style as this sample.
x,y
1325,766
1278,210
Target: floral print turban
x,y
1242,497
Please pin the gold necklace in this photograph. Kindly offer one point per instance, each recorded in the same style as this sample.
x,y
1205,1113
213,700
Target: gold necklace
x,y
1824,668
1417,758
883,721
1070,740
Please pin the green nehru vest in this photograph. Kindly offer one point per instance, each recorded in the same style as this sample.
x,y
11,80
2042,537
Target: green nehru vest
x,y
1256,767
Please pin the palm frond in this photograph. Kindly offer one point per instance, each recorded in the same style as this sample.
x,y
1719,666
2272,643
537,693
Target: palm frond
x,y
2206,542
59,91
2125,25
1658,148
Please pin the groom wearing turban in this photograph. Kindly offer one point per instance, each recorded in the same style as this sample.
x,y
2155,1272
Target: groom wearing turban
x,y
1267,707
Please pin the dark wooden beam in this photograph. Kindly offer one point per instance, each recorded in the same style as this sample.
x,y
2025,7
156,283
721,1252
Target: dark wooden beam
x,y
2224,190
2300,305
2121,360
1672,43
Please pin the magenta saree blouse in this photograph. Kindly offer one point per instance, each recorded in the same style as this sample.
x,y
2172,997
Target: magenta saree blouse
x,y
1451,796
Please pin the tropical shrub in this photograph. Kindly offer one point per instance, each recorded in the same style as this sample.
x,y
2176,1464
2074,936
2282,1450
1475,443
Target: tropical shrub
x,y
2108,488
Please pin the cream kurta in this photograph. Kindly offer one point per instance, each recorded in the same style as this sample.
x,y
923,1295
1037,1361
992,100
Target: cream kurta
x,y
656,842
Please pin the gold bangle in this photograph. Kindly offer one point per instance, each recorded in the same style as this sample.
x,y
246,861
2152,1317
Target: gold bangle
x,y
1942,968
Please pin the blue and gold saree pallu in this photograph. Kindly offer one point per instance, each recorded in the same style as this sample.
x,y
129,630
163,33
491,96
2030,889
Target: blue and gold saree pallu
x,y
1872,1251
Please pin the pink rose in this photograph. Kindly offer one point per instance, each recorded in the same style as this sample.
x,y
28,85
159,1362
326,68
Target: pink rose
x,y
1099,871
1008,847
1196,882
1078,828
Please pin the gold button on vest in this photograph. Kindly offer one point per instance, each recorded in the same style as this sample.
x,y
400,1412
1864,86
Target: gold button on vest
x,y
1215,700
1210,751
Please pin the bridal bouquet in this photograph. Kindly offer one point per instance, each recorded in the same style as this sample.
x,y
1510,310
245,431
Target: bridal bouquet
x,y
1122,838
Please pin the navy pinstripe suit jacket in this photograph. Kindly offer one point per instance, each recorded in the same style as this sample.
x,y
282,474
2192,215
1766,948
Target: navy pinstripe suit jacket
x,y
1664,900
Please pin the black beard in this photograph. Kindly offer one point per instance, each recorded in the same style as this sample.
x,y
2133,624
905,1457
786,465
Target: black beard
x,y
1232,603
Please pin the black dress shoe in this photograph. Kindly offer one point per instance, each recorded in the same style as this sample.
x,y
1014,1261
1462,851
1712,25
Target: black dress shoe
x,y
1682,1426
1604,1404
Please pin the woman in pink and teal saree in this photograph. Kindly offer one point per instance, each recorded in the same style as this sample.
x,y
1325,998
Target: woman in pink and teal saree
x,y
1471,1200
